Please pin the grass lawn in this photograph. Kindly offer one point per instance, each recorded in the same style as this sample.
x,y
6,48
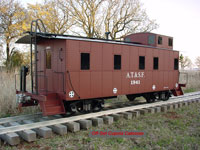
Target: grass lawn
x,y
178,129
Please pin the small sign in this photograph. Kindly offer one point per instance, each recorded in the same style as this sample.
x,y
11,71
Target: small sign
x,y
176,85
115,90
154,87
71,94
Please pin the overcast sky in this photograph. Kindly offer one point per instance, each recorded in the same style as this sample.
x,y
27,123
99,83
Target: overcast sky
x,y
177,18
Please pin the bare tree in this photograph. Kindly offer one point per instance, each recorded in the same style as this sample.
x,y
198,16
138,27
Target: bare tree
x,y
86,14
56,19
12,24
126,16
185,62
1,54
119,17
197,61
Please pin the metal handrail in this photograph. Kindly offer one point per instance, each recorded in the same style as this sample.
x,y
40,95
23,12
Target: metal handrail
x,y
34,37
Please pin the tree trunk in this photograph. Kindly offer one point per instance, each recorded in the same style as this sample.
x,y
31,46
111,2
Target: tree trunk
x,y
7,54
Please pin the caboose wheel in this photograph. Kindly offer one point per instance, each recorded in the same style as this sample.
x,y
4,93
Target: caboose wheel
x,y
150,97
70,108
79,107
150,100
97,105
167,95
164,95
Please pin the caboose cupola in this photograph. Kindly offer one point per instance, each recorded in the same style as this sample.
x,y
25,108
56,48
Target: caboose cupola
x,y
151,39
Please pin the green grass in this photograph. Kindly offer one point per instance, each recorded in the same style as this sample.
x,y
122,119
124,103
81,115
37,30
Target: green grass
x,y
190,90
174,130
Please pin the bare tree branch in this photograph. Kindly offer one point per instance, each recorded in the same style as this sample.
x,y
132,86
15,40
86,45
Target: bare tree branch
x,y
55,17
13,22
119,17
197,61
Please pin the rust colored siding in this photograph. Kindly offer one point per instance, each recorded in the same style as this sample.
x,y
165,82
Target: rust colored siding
x,y
101,79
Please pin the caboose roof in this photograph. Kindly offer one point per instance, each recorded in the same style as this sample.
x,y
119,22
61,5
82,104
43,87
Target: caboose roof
x,y
27,39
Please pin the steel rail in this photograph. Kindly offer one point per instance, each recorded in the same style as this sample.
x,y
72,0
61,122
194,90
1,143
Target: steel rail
x,y
18,118
93,115
31,116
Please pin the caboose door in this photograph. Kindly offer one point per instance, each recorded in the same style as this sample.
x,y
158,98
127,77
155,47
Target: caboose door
x,y
51,66
44,62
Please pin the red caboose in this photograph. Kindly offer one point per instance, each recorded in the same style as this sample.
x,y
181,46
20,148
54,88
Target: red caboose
x,y
72,74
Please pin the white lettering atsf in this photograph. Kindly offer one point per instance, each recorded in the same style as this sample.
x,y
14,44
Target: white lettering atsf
x,y
136,76
130,75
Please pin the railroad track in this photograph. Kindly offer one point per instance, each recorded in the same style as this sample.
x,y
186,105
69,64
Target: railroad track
x,y
26,127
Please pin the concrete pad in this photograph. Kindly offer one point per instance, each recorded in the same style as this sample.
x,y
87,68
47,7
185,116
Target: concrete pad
x,y
85,124
143,111
197,100
59,129
180,105
192,101
136,114
10,138
185,103
97,122
157,109
151,110
175,106
127,115
108,119
164,108
170,107
27,135
189,102
73,126
115,116
44,132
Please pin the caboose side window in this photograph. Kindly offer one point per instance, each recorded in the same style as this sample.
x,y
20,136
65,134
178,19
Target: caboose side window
x,y
170,42
175,64
142,62
155,63
48,59
117,62
85,61
151,39
159,40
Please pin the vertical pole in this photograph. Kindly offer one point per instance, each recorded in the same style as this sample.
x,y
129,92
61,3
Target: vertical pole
x,y
36,77
24,71
31,64
21,79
